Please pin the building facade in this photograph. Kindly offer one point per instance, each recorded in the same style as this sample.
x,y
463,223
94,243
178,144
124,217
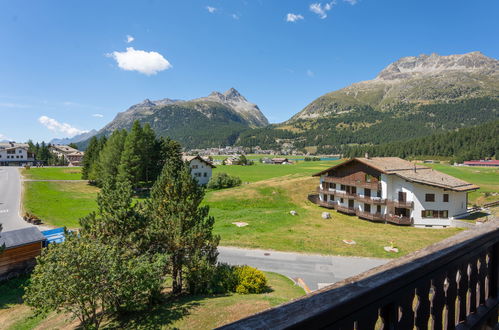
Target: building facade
x,y
73,156
393,190
15,154
201,169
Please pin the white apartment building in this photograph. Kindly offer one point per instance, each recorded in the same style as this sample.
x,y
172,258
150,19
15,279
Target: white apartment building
x,y
390,189
15,154
201,169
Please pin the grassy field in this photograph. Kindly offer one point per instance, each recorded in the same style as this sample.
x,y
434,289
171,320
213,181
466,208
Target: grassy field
x,y
486,178
52,173
198,312
265,206
260,171
265,202
60,203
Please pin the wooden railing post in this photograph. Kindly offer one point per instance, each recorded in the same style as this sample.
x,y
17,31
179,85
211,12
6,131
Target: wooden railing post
x,y
494,284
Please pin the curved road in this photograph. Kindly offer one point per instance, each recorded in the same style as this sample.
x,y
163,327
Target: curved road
x,y
10,199
315,270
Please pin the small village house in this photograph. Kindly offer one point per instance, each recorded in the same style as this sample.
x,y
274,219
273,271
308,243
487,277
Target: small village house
x,y
231,161
201,169
15,154
73,156
483,163
390,189
22,246
280,161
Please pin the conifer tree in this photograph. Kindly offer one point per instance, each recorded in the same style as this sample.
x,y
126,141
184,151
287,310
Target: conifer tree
x,y
131,164
179,226
91,155
110,157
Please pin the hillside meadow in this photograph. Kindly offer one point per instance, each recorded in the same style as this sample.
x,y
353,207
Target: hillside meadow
x,y
268,194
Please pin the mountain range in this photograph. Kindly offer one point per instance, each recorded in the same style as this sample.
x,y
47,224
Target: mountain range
x,y
413,97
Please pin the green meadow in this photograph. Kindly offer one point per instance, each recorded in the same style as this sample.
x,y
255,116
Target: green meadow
x,y
52,173
264,201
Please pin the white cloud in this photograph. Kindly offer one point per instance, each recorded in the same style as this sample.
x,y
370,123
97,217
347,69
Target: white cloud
x,y
98,115
148,63
352,2
290,17
320,9
234,16
129,38
310,73
211,9
58,127
3,137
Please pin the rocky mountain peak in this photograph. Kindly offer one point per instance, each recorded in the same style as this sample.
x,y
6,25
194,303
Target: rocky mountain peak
x,y
411,66
233,94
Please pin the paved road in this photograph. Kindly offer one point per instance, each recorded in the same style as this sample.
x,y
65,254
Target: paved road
x,y
316,270
10,199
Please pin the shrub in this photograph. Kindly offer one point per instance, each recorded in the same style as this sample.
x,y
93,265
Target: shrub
x,y
250,280
209,279
223,180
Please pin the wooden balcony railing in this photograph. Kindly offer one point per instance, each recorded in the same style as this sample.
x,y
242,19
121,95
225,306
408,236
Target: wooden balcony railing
x,y
400,204
378,217
370,200
329,205
356,183
453,284
344,209
336,192
398,220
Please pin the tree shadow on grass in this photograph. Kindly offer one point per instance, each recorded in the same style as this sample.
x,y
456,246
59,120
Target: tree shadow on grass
x,y
474,216
12,291
159,316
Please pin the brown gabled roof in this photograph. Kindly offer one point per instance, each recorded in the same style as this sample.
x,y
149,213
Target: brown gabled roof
x,y
410,172
191,158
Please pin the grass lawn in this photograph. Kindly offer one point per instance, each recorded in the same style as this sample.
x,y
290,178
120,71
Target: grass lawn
x,y
52,173
486,178
260,171
60,203
195,312
265,206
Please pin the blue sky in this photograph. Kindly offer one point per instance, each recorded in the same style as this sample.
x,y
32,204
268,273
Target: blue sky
x,y
65,67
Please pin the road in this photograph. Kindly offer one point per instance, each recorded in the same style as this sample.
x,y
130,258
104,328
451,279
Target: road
x,y
317,271
10,199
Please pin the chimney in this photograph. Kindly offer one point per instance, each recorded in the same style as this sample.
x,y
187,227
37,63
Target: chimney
x,y
366,155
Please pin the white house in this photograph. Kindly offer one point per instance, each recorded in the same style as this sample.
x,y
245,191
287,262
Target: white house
x,y
390,189
201,169
16,154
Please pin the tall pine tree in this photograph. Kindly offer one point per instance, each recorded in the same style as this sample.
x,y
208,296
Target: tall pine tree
x,y
179,226
131,163
110,157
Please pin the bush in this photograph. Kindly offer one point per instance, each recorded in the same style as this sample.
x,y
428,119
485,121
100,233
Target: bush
x,y
223,180
250,280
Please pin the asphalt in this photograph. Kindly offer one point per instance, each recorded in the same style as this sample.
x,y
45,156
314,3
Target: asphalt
x,y
316,271
10,199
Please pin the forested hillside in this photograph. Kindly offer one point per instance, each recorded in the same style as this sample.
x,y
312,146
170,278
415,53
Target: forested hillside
x,y
476,142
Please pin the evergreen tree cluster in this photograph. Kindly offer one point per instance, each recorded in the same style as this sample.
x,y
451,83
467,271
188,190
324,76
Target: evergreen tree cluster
x,y
42,153
136,156
469,143
119,260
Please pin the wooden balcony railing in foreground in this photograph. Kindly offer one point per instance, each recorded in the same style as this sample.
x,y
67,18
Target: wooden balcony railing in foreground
x,y
452,284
